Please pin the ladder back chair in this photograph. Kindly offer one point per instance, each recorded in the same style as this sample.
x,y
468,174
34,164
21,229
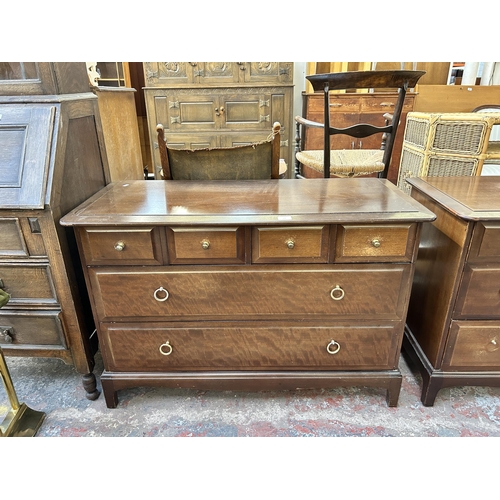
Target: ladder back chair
x,y
354,162
259,160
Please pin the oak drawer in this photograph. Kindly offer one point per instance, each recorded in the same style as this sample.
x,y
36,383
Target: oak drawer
x,y
290,244
473,345
122,246
12,242
260,292
206,245
255,345
479,294
28,284
485,241
383,243
30,328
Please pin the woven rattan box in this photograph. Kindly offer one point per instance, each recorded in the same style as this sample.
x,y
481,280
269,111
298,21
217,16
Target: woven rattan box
x,y
446,144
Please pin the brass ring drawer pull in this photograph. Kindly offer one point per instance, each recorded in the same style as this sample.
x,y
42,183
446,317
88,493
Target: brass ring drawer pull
x,y
119,246
290,243
376,243
333,347
166,349
160,294
205,244
337,296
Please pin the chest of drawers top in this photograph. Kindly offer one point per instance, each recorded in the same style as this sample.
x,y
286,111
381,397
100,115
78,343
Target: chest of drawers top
x,y
269,202
469,198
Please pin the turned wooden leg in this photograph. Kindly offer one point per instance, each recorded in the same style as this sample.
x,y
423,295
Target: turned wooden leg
x,y
90,386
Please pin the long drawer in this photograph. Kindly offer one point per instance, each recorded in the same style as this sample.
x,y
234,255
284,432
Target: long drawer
x,y
253,345
28,284
204,292
29,328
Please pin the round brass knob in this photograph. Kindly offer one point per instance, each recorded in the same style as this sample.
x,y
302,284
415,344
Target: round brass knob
x,y
160,294
337,293
205,244
333,347
119,246
166,349
376,243
290,243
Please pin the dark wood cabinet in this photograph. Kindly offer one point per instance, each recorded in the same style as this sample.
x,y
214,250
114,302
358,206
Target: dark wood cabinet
x,y
252,285
453,324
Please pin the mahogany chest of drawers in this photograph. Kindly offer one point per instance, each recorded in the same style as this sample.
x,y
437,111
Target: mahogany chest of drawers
x,y
251,285
453,325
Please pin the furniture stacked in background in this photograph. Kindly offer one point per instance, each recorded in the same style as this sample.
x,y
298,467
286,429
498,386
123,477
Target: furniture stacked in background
x,y
212,104
447,144
371,142
453,324
252,285
52,158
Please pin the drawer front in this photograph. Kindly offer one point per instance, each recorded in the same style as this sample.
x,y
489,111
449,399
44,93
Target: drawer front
x,y
254,346
28,284
485,242
206,245
290,244
12,242
315,105
122,246
473,345
479,294
259,292
384,104
30,328
383,243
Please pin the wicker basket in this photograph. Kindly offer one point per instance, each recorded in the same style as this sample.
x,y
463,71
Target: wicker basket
x,y
446,144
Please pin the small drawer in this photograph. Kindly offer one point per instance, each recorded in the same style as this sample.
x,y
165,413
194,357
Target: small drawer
x,y
485,242
30,328
473,345
28,284
479,294
196,346
122,246
12,242
205,245
290,244
375,243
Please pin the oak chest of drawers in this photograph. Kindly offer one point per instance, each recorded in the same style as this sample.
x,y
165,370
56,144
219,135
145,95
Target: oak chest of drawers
x,y
251,285
453,326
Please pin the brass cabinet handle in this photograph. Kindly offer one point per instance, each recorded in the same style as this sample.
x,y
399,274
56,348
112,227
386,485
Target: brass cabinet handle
x,y
290,243
335,296
168,348
119,246
205,244
160,294
386,104
333,347
376,243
